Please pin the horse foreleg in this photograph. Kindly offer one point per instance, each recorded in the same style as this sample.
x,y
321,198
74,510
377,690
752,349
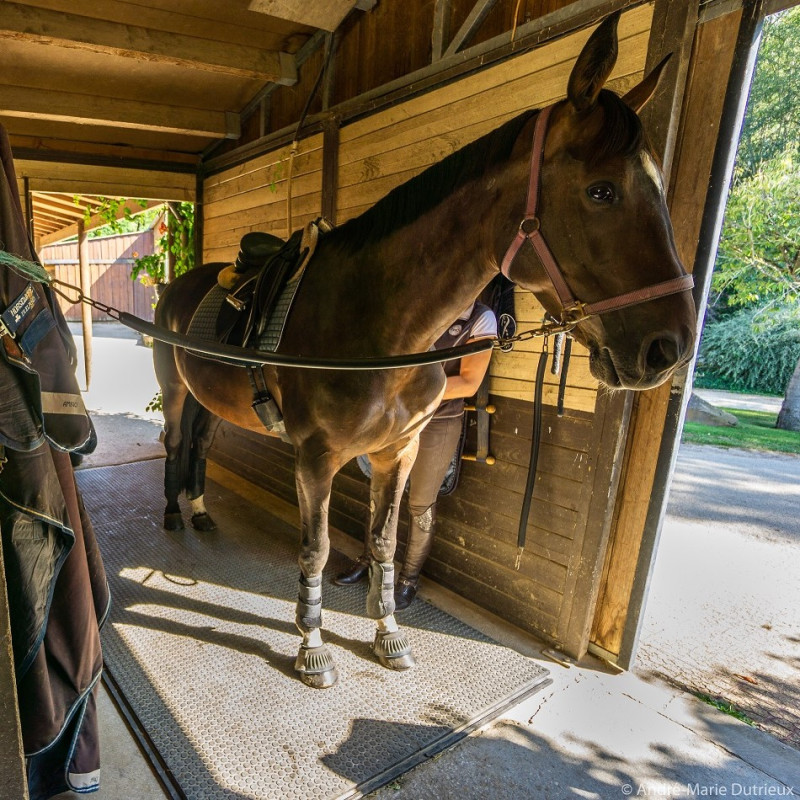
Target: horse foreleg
x,y
314,475
389,474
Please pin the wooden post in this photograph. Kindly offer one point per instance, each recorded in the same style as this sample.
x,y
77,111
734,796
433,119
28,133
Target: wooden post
x,y
86,288
657,414
172,212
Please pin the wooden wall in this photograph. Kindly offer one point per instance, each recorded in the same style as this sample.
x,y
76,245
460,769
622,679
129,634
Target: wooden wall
x,y
110,263
553,592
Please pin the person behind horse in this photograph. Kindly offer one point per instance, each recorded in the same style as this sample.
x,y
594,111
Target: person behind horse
x,y
437,444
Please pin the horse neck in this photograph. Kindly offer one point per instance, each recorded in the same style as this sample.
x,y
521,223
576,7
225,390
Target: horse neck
x,y
430,276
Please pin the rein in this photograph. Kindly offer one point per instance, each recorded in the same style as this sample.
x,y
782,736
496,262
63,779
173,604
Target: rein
x,y
573,310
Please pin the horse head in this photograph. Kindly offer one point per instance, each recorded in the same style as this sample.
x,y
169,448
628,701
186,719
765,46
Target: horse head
x,y
603,217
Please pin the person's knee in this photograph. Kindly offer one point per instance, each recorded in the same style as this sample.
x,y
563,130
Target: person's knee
x,y
424,520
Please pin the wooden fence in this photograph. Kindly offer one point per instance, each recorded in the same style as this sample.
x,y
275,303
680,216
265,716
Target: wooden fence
x,y
111,259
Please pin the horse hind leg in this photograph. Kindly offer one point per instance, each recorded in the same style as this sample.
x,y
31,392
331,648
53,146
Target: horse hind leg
x,y
204,426
314,475
174,395
188,433
391,646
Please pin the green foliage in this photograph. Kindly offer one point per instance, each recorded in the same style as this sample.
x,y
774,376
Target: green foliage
x,y
773,108
724,706
758,263
751,350
108,208
156,404
756,431
177,237
751,340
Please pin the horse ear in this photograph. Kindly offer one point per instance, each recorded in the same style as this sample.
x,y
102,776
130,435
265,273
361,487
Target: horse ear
x,y
638,97
594,64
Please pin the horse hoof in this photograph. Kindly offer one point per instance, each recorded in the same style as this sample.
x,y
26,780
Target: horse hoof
x,y
315,667
203,522
393,650
173,521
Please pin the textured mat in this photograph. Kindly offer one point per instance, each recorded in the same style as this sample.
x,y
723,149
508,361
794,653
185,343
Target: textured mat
x,y
201,643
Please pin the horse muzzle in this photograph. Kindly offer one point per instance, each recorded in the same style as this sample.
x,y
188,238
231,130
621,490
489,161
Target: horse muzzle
x,y
659,355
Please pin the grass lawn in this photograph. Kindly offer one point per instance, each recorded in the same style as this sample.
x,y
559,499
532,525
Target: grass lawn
x,y
756,431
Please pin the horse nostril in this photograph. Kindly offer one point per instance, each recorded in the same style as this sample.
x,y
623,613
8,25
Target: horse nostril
x,y
662,352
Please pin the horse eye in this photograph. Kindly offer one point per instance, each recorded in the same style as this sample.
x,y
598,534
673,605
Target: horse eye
x,y
602,193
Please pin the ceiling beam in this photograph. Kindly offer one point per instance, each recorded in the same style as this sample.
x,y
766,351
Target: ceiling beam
x,y
325,14
470,27
82,109
44,26
62,209
95,221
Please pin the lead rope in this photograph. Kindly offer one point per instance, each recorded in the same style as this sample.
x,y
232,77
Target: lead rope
x,y
561,355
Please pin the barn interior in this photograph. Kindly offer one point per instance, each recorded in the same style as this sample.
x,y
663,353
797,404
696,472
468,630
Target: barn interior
x,y
267,114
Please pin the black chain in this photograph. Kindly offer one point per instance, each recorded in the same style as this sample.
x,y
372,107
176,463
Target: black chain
x,y
112,312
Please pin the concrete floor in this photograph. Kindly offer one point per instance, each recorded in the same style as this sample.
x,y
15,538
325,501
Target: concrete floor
x,y
594,733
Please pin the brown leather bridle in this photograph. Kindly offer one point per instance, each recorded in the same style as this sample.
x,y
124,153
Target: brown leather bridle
x,y
573,310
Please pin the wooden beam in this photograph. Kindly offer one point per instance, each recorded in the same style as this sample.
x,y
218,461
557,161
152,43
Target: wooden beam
x,y
441,29
672,33
80,179
470,27
95,221
655,414
86,309
43,26
84,109
330,170
325,14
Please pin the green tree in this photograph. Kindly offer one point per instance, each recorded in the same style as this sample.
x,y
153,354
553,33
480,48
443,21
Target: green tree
x,y
773,107
758,262
175,252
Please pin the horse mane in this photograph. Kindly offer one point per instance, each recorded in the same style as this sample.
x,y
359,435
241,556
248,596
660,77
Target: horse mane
x,y
622,134
413,199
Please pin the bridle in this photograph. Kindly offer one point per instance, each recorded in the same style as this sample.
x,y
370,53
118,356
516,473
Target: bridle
x,y
573,310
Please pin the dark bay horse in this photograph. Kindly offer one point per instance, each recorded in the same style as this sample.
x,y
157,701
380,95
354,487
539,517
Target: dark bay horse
x,y
392,280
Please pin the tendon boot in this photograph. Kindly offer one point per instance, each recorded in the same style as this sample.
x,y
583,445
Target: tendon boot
x,y
420,539
354,572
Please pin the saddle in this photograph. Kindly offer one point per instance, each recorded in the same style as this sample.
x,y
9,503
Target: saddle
x,y
266,269
254,282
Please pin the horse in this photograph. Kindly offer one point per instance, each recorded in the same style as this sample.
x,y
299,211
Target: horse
x,y
392,280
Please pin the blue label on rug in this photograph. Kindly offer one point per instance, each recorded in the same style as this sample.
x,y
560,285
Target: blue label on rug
x,y
15,314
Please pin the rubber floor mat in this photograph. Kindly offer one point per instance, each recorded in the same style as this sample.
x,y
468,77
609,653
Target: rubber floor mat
x,y
201,642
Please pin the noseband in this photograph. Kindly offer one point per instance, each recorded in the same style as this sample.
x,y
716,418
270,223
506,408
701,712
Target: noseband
x,y
572,309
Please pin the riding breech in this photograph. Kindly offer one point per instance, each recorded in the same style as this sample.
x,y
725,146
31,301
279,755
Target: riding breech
x,y
437,443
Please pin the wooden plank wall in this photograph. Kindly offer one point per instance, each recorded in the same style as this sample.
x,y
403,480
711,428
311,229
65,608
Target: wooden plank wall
x,y
253,197
475,544
110,264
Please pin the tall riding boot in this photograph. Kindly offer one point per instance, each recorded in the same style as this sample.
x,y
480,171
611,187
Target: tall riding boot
x,y
356,570
420,539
